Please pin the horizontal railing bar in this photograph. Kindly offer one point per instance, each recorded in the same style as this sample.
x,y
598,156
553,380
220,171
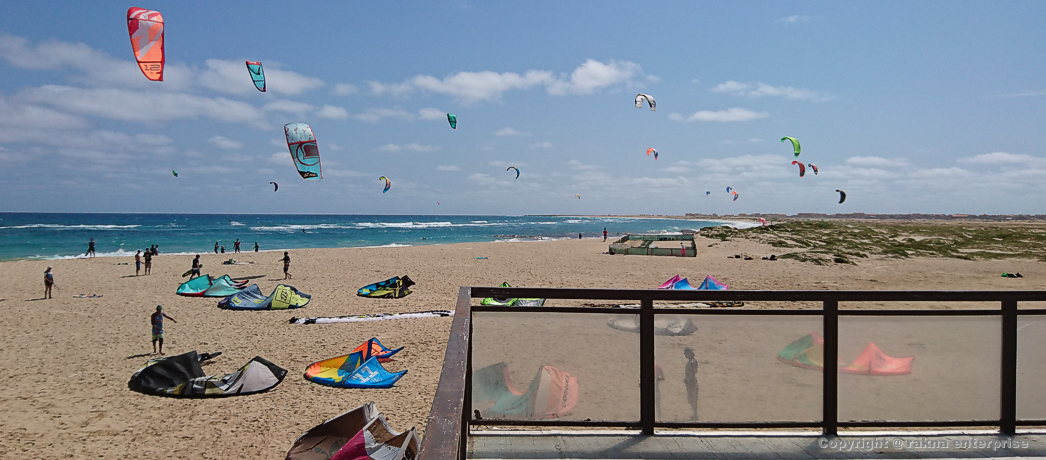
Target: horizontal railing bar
x,y
1031,422
730,312
1031,311
977,312
545,423
813,296
738,425
917,424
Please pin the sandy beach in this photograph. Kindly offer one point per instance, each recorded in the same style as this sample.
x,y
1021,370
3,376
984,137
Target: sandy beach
x,y
67,360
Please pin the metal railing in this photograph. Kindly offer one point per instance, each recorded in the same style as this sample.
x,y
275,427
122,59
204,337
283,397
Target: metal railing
x,y
446,435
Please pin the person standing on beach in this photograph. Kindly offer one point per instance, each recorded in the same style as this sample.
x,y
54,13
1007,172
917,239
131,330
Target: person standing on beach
x,y
148,262
137,262
90,248
156,319
255,246
690,380
215,247
236,246
579,236
604,234
286,265
195,267
223,249
48,282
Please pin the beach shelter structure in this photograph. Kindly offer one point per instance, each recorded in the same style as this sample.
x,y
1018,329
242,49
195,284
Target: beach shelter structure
x,y
394,287
181,376
205,286
359,434
552,393
808,353
354,370
251,298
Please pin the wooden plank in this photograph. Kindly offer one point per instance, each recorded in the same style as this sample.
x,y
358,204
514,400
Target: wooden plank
x,y
444,438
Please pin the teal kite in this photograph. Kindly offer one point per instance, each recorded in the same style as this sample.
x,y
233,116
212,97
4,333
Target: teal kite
x,y
795,144
453,120
174,172
306,155
257,74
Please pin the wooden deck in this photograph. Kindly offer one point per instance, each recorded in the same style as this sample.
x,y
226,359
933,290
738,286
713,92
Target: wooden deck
x,y
506,444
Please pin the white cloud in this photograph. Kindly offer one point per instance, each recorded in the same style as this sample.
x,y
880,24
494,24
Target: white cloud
x,y
676,169
223,142
333,113
430,113
420,148
675,116
794,19
344,89
447,168
1001,158
284,105
393,89
412,147
509,132
1024,94
593,75
470,87
375,115
280,158
280,142
877,162
574,164
755,140
728,115
757,89
541,145
140,106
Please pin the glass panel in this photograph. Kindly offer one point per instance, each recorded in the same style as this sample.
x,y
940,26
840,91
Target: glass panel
x,y
919,368
1031,367
533,366
740,377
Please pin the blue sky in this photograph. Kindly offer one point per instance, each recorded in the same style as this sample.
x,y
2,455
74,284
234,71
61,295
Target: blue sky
x,y
907,106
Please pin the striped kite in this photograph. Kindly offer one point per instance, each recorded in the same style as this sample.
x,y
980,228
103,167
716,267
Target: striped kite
x,y
388,183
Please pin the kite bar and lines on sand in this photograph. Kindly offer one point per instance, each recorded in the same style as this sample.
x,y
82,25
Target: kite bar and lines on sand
x,y
377,317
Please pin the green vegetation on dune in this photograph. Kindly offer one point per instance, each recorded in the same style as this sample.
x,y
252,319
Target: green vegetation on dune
x,y
824,242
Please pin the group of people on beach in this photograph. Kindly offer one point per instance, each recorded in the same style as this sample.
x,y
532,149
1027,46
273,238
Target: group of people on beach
x,y
235,247
149,253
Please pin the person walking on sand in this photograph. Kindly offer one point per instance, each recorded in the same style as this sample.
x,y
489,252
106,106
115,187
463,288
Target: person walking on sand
x,y
196,265
255,246
90,248
48,282
148,262
215,247
604,234
286,265
137,262
236,246
156,319
690,380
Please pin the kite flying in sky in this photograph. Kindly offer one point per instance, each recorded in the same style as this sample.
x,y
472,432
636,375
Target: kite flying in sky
x,y
453,120
513,167
649,100
388,183
257,74
304,152
275,186
795,144
146,30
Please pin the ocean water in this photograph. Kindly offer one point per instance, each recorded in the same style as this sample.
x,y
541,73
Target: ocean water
x,y
65,236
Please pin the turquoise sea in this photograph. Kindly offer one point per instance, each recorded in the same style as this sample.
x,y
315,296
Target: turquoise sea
x,y
64,236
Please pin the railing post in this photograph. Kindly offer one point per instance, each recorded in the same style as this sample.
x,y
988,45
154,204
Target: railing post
x,y
830,385
646,366
1008,379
